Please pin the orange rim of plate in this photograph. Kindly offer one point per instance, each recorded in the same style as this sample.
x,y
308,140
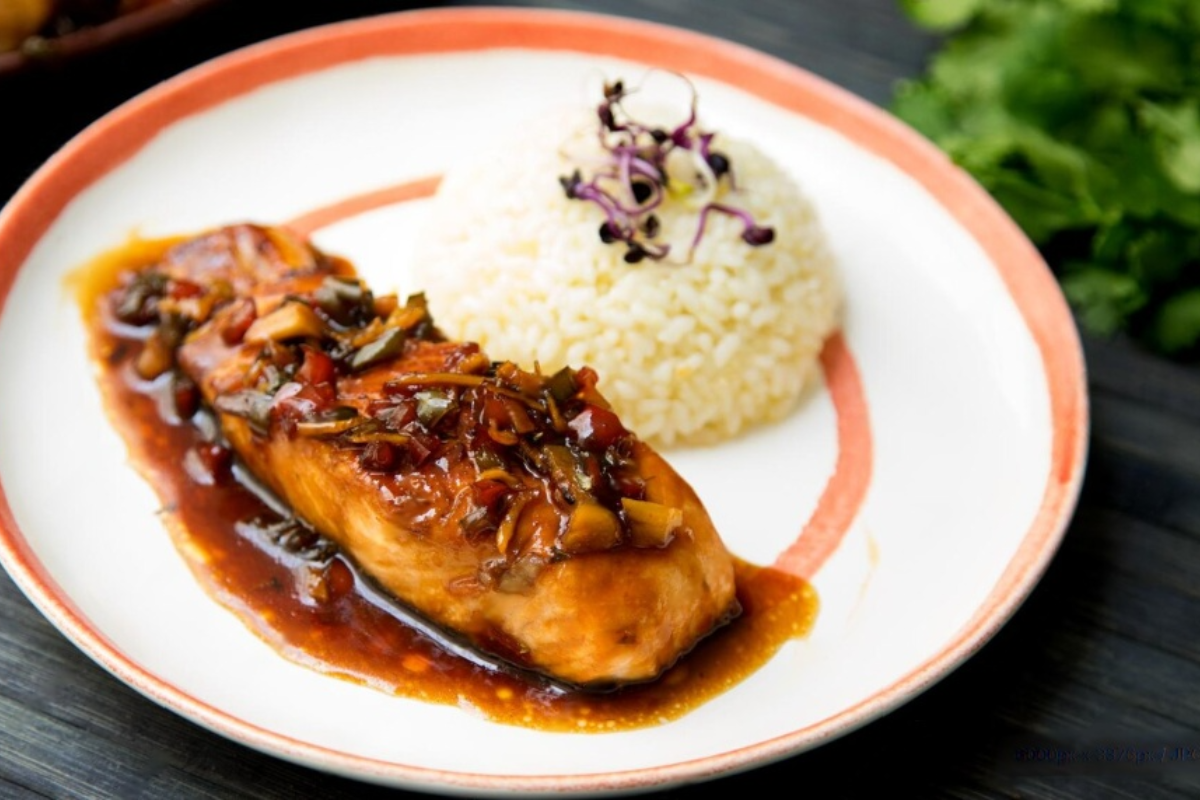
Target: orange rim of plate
x,y
115,138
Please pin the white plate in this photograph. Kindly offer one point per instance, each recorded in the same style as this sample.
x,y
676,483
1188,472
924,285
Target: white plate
x,y
959,432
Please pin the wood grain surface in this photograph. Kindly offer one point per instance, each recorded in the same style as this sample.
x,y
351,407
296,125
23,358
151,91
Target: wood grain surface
x,y
1104,654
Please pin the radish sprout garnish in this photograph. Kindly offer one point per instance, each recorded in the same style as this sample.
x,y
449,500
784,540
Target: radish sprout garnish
x,y
644,166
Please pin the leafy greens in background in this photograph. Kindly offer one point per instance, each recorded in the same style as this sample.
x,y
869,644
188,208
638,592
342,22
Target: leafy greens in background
x,y
1082,118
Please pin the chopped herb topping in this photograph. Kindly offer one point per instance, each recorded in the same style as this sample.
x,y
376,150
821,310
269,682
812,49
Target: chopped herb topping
x,y
527,434
647,164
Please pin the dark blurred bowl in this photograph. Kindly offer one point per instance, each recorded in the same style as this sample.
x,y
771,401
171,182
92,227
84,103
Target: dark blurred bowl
x,y
42,51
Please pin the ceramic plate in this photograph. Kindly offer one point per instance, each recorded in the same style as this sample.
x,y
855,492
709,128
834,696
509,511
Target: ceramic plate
x,y
922,489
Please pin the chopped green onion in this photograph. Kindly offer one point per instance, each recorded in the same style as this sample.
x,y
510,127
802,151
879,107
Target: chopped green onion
x,y
387,345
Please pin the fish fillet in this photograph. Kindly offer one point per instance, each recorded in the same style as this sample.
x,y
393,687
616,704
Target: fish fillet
x,y
509,508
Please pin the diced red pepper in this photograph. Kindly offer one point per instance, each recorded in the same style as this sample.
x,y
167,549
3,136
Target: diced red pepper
x,y
495,413
210,464
185,395
317,368
586,378
597,428
339,579
394,414
420,446
487,493
379,457
298,401
240,318
179,289
630,485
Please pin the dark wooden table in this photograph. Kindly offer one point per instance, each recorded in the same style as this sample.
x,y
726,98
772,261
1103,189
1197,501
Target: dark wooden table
x,y
1105,653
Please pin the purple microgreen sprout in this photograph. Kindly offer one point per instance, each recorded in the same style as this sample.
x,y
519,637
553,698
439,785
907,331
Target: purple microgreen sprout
x,y
637,157
753,234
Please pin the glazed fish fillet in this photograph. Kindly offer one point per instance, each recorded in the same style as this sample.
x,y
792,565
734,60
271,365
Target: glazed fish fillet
x,y
509,508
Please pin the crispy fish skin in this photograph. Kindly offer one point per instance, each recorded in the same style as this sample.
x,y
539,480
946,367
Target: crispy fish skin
x,y
477,526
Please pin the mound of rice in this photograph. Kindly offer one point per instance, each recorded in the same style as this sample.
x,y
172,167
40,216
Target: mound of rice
x,y
689,351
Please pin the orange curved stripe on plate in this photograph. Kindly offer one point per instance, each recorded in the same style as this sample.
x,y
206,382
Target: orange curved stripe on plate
x,y
124,132
319,218
847,487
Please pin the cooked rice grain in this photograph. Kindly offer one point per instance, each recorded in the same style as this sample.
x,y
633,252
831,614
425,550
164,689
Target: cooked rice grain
x,y
688,353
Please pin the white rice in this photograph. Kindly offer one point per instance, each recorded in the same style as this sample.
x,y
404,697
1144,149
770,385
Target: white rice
x,y
688,353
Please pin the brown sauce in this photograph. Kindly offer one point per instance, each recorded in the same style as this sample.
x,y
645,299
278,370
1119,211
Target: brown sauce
x,y
297,592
